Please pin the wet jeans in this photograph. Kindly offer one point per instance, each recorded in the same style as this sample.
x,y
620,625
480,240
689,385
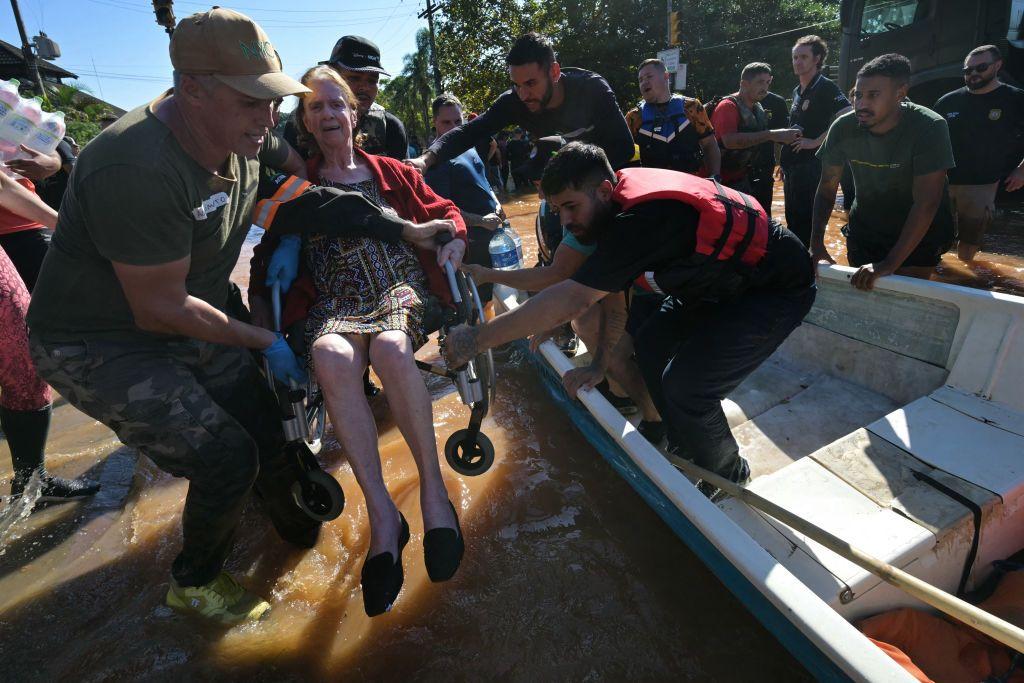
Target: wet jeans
x,y
197,410
693,355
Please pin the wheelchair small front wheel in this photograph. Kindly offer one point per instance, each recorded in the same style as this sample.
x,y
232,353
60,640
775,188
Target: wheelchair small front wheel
x,y
319,495
472,458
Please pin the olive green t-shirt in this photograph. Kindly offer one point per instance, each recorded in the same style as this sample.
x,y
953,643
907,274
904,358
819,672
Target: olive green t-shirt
x,y
136,197
884,167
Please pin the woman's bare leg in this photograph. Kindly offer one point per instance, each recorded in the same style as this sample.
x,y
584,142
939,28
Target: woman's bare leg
x,y
391,354
339,362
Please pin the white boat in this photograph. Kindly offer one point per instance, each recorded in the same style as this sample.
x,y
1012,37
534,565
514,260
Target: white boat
x,y
893,419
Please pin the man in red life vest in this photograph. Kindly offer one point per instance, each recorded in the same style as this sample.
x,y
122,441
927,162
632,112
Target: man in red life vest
x,y
737,285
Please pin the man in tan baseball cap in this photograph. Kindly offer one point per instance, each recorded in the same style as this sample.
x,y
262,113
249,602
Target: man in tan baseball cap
x,y
233,49
135,287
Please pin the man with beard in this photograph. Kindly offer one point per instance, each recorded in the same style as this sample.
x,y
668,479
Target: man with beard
x,y
742,126
817,101
986,125
900,221
672,131
731,302
546,100
357,59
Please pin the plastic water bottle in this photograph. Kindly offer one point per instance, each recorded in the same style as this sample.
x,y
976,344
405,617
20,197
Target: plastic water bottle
x,y
8,102
47,135
17,126
516,239
8,97
504,253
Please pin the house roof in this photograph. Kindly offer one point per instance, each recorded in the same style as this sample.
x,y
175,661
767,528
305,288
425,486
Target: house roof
x,y
11,56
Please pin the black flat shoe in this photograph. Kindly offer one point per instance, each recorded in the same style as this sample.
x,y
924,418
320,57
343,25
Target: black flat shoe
x,y
382,577
443,549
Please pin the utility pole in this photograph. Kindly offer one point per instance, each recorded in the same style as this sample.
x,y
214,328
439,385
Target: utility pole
x,y
668,22
429,14
26,51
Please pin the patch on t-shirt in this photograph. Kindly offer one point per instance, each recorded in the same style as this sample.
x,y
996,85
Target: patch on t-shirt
x,y
211,204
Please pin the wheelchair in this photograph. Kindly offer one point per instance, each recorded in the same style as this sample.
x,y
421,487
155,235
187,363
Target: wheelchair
x,y
304,414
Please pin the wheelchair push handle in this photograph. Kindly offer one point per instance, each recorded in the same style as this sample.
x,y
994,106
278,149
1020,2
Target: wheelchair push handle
x,y
275,303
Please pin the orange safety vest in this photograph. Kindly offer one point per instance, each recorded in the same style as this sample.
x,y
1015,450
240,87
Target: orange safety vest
x,y
732,230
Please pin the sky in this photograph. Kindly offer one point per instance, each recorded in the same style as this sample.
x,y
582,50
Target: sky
x,y
120,53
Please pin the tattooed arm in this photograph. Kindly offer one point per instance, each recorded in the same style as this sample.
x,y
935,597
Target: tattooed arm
x,y
824,200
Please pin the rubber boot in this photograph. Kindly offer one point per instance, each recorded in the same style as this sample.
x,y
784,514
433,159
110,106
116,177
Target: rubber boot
x,y
26,432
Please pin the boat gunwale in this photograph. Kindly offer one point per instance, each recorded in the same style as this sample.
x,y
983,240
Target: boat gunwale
x,y
833,636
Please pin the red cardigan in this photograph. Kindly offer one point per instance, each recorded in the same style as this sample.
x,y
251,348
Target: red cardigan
x,y
402,187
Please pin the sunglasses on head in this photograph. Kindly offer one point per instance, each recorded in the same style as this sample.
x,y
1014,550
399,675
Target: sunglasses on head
x,y
980,68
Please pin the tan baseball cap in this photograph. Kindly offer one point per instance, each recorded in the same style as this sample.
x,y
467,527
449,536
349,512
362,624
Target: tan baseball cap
x,y
232,48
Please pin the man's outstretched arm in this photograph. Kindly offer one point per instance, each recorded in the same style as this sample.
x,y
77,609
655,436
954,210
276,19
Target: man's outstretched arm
x,y
564,264
552,307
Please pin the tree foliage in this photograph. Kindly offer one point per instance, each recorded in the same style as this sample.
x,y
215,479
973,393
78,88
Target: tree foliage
x,y
82,113
612,37
408,95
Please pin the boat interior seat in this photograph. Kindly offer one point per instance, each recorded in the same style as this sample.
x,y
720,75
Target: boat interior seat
x,y
880,499
932,482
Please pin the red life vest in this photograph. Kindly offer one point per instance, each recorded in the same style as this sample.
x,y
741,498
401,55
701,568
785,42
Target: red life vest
x,y
732,231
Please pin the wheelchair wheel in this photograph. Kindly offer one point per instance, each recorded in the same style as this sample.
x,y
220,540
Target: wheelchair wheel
x,y
319,495
469,459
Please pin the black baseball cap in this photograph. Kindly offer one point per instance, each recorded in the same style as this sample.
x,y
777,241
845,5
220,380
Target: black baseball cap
x,y
356,53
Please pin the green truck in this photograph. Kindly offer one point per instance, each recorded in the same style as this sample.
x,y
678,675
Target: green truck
x,y
935,35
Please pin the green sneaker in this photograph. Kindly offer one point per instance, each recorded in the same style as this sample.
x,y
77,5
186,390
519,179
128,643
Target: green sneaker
x,y
223,600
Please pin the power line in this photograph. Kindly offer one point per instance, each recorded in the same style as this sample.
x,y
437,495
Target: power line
x,y
112,3
769,35
294,11
277,22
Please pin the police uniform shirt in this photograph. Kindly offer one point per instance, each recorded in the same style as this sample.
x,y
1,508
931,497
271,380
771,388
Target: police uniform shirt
x,y
777,110
987,132
813,110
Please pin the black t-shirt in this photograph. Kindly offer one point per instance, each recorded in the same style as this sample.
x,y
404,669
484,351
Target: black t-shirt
x,y
813,110
987,132
589,113
656,235
777,111
518,152
51,190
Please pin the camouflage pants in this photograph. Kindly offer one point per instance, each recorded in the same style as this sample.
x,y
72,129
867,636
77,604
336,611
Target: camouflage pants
x,y
199,411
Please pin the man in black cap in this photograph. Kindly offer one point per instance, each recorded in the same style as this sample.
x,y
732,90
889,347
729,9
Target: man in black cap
x,y
358,61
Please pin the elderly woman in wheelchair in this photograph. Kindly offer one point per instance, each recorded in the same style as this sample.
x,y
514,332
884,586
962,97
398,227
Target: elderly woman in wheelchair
x,y
365,301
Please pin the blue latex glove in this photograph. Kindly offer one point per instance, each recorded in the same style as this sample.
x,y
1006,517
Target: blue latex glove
x,y
283,362
284,263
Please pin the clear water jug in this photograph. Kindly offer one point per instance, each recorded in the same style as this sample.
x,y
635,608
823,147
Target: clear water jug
x,y
505,254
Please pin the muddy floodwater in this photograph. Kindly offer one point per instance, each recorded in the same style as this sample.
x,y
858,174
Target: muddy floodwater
x,y
568,575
